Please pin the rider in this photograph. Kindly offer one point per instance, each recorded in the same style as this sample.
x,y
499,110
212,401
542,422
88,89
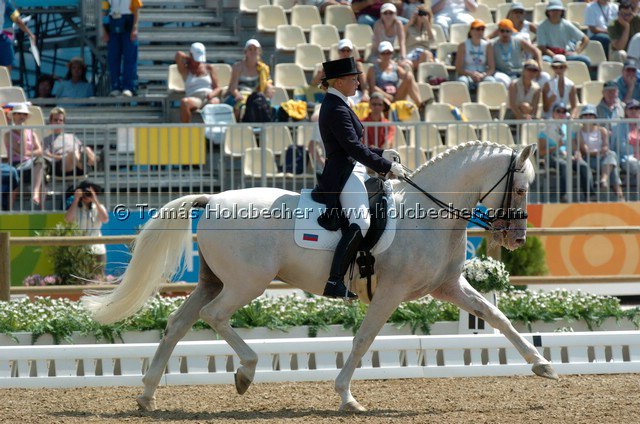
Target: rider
x,y
342,180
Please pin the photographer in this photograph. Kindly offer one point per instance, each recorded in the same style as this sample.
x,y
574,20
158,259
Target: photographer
x,y
89,214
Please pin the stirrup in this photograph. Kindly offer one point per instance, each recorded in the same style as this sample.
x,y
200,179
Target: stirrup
x,y
337,290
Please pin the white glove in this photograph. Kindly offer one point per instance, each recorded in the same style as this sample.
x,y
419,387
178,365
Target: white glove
x,y
397,169
391,155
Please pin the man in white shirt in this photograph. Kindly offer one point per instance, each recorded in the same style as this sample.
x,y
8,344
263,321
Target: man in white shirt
x,y
597,17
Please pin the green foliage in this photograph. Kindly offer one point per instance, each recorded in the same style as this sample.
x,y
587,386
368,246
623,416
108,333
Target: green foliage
x,y
72,264
486,274
527,260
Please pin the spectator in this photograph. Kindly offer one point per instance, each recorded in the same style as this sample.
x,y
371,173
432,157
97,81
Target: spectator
x,y
200,81
524,93
623,30
449,12
597,16
9,180
248,75
524,28
419,36
322,4
89,214
121,36
67,153
556,35
610,107
390,79
626,141
346,49
368,11
410,8
380,136
10,16
44,87
474,59
559,89
635,6
74,84
552,142
629,81
510,52
25,151
388,28
593,142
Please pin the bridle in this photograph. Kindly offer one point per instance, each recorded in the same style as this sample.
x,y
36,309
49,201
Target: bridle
x,y
482,219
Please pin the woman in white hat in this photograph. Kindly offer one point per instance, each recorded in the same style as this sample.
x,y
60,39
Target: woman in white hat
x,y
200,81
559,89
386,76
248,75
25,151
388,28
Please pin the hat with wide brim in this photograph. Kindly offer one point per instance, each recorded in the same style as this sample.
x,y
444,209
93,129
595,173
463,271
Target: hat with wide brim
x,y
589,110
340,68
21,108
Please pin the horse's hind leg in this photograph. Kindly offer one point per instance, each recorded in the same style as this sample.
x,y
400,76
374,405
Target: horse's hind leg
x,y
179,323
461,294
217,314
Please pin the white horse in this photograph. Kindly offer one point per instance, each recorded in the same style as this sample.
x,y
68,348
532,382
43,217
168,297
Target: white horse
x,y
240,257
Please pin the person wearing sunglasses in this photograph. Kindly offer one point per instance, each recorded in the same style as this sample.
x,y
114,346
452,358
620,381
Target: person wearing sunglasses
x,y
524,93
597,16
557,35
379,136
419,36
474,59
559,89
388,28
623,31
510,52
629,82
523,26
391,79
625,141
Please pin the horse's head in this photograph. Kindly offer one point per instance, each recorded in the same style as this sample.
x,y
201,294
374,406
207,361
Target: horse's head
x,y
509,201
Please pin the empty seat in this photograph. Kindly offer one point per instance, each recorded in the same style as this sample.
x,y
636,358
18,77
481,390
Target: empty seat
x,y
252,163
502,10
12,95
305,16
575,13
276,138
492,94
175,83
308,56
324,36
339,15
425,136
426,92
578,72
411,156
251,6
439,36
458,33
428,70
287,5
280,95
223,72
288,37
289,76
595,52
460,133
359,34
476,112
444,54
454,92
591,92
483,13
608,71
439,113
237,139
529,132
539,10
5,77
269,17
216,119
498,132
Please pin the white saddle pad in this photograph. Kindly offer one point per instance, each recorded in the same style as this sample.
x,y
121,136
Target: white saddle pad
x,y
310,235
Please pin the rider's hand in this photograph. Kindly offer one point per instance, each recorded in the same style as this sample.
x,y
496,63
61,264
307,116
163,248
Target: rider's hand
x,y
397,169
391,155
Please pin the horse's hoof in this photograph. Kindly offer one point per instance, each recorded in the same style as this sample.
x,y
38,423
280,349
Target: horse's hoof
x,y
352,406
545,370
146,404
242,382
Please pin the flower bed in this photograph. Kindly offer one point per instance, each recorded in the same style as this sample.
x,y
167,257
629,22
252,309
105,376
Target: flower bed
x,y
62,318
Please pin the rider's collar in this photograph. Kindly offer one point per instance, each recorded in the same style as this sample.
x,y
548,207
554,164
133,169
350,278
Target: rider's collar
x,y
335,92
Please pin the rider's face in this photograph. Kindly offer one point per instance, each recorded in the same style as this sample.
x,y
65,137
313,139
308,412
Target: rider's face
x,y
349,85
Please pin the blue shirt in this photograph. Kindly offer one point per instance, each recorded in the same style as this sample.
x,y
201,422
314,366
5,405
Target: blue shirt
x,y
622,87
66,88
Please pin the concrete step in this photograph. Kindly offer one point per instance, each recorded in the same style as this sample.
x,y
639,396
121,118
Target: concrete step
x,y
166,53
187,35
188,16
177,4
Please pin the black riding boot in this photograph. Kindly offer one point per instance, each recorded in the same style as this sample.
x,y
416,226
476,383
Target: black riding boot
x,y
345,254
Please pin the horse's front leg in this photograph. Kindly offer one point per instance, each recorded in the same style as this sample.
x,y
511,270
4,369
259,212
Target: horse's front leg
x,y
463,295
385,301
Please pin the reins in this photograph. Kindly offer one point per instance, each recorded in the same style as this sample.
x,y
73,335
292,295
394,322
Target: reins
x,y
478,217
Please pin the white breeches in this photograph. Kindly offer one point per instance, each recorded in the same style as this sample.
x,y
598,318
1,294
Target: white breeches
x,y
354,199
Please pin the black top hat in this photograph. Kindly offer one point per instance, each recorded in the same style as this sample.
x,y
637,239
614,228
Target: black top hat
x,y
340,68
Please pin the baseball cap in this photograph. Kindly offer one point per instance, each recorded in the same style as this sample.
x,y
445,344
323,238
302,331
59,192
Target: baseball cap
x,y
630,63
516,6
385,46
588,110
198,52
559,106
609,84
632,104
530,63
559,59
252,42
507,24
555,5
345,43
477,23
388,7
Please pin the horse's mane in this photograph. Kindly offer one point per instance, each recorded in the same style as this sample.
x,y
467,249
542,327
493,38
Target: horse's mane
x,y
457,149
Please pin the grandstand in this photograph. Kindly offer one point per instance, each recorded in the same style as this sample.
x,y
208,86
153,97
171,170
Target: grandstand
x,y
146,157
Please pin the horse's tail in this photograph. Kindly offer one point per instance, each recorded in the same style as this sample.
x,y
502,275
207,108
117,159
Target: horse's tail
x,y
157,253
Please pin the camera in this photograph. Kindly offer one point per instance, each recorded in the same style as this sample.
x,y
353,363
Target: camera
x,y
422,13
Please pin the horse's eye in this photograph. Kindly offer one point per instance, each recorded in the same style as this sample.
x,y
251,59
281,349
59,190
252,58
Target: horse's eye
x,y
521,191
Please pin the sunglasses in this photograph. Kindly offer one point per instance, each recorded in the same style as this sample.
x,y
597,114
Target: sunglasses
x,y
389,13
505,31
518,12
533,69
479,29
346,49
559,66
376,104
560,111
386,52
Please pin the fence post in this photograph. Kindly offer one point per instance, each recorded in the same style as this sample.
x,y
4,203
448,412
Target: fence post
x,y
5,267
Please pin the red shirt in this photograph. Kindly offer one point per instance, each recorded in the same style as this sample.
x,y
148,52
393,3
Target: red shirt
x,y
377,136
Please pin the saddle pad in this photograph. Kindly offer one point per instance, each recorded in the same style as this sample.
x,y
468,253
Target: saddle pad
x,y
310,235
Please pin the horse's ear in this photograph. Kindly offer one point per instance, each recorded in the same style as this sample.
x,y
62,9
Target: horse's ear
x,y
525,154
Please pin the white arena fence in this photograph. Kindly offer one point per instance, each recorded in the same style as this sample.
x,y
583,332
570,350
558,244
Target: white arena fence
x,y
319,359
153,163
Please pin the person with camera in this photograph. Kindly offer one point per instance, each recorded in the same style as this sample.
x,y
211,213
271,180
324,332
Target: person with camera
x,y
89,214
